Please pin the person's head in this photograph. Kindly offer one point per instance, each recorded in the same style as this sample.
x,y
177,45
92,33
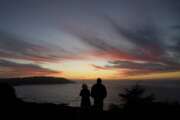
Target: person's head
x,y
99,81
84,86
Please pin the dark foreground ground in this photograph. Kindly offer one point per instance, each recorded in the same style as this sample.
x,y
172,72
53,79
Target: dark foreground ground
x,y
11,106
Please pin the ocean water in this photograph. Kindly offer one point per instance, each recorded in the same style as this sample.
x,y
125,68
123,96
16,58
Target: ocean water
x,y
167,90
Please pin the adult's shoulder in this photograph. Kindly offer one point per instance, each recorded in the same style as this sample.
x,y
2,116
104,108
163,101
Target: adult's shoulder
x,y
93,86
103,86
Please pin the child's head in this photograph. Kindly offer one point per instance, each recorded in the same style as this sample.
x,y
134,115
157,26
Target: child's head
x,y
84,86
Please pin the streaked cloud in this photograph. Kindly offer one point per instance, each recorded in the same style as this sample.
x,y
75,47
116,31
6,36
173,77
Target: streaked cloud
x,y
143,66
14,47
98,67
12,69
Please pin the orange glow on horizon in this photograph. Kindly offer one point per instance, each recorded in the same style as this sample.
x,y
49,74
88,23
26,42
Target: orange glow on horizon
x,y
155,76
87,70
81,69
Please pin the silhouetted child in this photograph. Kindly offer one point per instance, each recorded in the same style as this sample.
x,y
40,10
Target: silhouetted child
x,y
85,98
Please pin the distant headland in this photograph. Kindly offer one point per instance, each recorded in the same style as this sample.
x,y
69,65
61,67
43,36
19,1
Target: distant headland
x,y
35,81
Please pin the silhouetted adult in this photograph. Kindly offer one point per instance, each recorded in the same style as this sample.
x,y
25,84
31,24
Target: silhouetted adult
x,y
85,98
98,93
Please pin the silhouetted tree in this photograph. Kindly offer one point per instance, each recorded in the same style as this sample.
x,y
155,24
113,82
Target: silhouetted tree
x,y
135,98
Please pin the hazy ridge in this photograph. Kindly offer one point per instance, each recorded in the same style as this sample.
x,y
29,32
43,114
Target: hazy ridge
x,y
35,80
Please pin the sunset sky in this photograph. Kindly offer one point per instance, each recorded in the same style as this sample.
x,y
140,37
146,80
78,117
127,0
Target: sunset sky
x,y
86,39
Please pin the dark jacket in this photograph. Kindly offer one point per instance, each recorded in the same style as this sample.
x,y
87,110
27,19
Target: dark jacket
x,y
98,91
